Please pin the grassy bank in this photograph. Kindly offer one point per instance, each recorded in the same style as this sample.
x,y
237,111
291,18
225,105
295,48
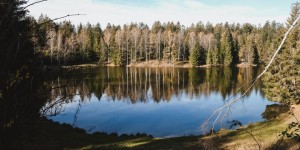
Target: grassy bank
x,y
51,135
263,135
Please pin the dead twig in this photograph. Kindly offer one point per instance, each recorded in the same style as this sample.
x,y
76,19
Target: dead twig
x,y
69,15
33,4
253,137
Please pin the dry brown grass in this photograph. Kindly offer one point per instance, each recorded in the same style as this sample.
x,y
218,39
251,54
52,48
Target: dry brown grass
x,y
156,63
165,64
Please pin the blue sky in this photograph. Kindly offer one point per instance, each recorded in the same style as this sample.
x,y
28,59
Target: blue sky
x,y
186,11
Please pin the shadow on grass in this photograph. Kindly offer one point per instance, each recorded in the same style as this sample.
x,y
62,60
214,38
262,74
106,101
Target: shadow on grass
x,y
52,135
190,142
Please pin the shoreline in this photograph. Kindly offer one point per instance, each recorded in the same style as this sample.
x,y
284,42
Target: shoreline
x,y
150,64
265,132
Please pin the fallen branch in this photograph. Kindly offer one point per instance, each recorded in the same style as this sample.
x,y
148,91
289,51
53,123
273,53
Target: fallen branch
x,y
230,103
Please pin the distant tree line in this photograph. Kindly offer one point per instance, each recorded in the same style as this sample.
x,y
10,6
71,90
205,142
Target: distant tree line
x,y
200,44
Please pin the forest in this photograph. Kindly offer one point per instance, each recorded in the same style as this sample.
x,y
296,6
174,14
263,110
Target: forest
x,y
199,44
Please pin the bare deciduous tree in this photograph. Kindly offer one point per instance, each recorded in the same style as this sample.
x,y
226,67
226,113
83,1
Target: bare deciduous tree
x,y
107,36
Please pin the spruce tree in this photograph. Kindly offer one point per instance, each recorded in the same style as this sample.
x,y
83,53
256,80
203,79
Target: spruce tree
x,y
209,57
215,56
283,80
195,57
226,48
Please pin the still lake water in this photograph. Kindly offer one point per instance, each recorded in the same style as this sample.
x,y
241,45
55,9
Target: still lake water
x,y
163,102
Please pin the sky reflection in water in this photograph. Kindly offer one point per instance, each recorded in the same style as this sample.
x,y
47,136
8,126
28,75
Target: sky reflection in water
x,y
160,102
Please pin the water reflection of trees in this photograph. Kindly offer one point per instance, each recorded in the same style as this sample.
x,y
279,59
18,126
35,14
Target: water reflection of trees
x,y
144,84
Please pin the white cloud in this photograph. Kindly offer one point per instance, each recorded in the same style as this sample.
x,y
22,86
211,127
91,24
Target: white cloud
x,y
185,11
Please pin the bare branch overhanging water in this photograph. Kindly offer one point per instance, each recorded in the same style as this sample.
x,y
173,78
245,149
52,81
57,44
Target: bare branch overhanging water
x,y
229,103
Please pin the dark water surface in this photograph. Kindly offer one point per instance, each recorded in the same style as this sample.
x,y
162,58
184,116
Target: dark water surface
x,y
163,102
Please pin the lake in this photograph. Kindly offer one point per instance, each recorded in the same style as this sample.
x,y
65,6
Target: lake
x,y
162,102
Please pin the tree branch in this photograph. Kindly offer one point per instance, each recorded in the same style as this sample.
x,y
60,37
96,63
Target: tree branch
x,y
227,105
253,137
34,4
69,15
